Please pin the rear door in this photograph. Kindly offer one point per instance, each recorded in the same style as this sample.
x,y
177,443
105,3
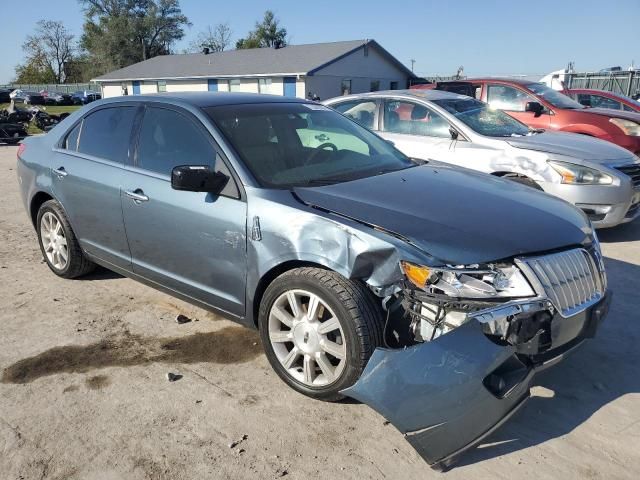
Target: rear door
x,y
191,242
416,130
88,172
513,101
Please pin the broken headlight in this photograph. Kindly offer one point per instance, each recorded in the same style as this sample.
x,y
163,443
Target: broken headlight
x,y
469,281
446,295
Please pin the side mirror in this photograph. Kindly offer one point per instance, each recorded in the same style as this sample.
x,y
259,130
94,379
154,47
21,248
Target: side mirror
x,y
198,178
534,107
454,133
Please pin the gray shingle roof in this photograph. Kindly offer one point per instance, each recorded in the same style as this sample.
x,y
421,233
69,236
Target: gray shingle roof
x,y
293,59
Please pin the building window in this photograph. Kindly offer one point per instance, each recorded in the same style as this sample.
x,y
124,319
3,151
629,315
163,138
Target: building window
x,y
234,85
162,86
375,86
393,85
346,87
264,85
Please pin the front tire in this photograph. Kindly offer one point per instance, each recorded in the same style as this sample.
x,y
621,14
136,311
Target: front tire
x,y
319,330
58,243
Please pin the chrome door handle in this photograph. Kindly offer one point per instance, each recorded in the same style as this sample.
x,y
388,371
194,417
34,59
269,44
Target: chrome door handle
x,y
60,172
137,195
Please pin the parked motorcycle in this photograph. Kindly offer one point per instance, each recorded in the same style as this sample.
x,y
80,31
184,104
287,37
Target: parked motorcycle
x,y
45,121
11,132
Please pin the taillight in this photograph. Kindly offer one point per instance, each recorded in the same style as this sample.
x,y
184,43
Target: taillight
x,y
21,148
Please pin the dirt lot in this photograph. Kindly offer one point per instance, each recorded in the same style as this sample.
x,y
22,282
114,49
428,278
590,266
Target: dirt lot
x,y
84,393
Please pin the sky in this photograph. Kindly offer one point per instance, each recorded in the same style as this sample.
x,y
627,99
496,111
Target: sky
x,y
491,37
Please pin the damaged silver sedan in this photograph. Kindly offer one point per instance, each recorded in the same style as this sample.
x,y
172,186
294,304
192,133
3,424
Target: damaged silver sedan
x,y
431,293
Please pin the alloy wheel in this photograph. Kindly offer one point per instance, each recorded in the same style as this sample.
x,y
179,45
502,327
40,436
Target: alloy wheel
x,y
54,242
307,338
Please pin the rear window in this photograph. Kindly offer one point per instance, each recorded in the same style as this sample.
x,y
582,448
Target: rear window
x,y
106,133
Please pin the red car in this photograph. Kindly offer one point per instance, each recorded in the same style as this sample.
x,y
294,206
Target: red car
x,y
603,99
539,106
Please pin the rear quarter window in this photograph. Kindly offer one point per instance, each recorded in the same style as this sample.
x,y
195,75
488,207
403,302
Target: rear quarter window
x,y
71,140
106,133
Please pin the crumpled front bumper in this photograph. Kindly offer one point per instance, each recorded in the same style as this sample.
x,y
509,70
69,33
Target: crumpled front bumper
x,y
445,396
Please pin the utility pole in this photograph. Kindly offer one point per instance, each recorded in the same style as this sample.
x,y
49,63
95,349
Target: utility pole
x,y
412,62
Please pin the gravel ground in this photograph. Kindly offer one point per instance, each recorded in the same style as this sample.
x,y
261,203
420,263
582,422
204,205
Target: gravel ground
x,y
84,391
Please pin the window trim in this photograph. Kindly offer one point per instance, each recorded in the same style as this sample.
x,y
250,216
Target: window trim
x,y
528,93
239,80
415,102
59,145
620,104
267,85
64,137
133,164
376,112
164,83
350,80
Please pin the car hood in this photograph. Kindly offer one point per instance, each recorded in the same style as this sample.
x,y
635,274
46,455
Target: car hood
x,y
573,145
454,214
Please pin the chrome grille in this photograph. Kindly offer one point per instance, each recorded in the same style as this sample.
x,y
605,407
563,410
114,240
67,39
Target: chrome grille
x,y
633,171
570,279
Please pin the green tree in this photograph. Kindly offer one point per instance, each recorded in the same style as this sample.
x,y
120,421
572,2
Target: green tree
x,y
118,33
33,71
216,39
267,33
48,50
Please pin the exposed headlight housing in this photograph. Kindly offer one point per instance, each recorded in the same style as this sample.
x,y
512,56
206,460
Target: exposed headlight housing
x,y
470,282
446,296
573,174
629,127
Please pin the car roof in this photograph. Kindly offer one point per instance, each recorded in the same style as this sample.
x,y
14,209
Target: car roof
x,y
519,81
428,95
594,91
207,99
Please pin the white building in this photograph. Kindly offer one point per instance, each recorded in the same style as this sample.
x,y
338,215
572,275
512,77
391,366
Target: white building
x,y
324,69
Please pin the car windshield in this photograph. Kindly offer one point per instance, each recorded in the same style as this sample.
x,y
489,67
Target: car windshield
x,y
554,97
482,119
299,144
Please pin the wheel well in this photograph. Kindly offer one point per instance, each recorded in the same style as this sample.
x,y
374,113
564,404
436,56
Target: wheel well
x,y
38,199
271,275
508,174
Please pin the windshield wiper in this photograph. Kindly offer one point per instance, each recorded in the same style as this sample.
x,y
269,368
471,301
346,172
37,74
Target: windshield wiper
x,y
319,182
338,178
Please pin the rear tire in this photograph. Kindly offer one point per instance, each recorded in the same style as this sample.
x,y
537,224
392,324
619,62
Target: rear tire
x,y
323,353
58,243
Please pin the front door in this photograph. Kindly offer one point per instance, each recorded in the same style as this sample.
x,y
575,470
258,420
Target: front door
x,y
88,172
513,101
191,242
136,87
